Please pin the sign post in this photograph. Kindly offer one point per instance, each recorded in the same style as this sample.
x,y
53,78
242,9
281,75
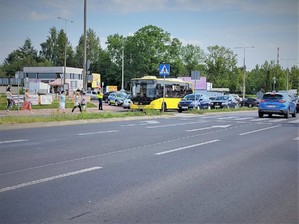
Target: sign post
x,y
164,70
195,75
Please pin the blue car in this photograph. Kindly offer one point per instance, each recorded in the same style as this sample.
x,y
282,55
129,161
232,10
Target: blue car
x,y
190,101
277,103
116,98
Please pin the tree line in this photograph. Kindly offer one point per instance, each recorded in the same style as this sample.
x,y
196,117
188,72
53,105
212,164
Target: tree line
x,y
143,52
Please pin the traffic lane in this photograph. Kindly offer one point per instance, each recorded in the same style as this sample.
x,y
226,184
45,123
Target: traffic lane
x,y
185,186
251,185
112,142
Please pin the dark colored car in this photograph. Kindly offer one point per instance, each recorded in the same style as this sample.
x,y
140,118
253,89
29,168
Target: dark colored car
x,y
277,103
189,102
105,96
224,101
205,102
297,104
250,102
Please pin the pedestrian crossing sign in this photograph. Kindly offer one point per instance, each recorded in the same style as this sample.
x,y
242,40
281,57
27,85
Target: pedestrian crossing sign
x,y
164,69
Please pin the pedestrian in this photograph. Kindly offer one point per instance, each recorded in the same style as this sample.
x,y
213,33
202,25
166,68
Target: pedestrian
x,y
27,101
100,98
62,101
9,98
83,101
76,100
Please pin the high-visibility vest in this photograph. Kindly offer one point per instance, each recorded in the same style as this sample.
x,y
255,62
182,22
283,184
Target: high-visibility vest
x,y
100,96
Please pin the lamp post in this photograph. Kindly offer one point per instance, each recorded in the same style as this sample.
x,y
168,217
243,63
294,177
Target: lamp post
x,y
287,75
64,69
122,66
244,69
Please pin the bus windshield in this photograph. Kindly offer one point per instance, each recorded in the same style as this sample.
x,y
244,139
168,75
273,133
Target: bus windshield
x,y
143,90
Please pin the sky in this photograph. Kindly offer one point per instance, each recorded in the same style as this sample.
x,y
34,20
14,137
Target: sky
x,y
235,24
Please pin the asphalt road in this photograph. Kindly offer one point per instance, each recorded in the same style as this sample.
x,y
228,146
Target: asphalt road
x,y
224,168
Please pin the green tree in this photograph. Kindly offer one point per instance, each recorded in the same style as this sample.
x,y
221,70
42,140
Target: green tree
x,y
193,57
22,57
221,67
93,48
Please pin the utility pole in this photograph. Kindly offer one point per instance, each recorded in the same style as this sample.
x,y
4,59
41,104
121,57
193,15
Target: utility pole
x,y
84,62
65,46
244,70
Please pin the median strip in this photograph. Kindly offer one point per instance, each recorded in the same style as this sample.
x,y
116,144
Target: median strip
x,y
186,147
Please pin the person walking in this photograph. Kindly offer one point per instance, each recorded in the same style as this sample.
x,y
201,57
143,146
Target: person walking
x,y
83,101
100,98
76,100
62,102
8,98
27,101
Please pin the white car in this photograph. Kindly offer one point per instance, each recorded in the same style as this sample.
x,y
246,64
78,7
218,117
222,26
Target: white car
x,y
127,101
92,94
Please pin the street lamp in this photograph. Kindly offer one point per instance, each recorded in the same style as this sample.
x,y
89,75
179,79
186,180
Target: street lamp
x,y
64,70
244,69
122,66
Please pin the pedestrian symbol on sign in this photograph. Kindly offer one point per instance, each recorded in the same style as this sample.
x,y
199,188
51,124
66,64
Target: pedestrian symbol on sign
x,y
164,69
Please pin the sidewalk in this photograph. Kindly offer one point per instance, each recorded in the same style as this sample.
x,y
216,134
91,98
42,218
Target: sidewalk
x,y
34,112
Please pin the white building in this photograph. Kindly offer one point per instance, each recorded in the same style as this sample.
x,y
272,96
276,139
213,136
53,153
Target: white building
x,y
54,77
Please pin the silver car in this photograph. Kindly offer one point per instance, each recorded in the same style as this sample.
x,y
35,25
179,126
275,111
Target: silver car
x,y
127,101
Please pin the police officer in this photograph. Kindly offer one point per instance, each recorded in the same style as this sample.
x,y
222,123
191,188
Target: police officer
x,y
100,98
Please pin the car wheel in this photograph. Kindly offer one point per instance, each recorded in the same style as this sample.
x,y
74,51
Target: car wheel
x,y
270,115
180,110
294,114
286,115
261,114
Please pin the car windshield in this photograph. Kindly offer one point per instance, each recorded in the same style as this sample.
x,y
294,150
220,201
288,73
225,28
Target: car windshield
x,y
121,95
273,96
221,98
191,97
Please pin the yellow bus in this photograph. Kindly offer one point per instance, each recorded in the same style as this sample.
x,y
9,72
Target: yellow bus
x,y
147,93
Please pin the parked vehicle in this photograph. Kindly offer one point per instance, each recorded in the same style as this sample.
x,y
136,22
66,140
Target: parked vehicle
x,y
250,102
105,96
297,104
127,101
190,101
92,94
205,102
116,98
277,103
224,101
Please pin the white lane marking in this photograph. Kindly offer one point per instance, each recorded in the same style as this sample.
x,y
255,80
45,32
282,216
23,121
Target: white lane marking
x,y
172,125
258,130
48,179
277,120
294,122
242,118
225,118
14,141
186,147
215,126
141,123
296,139
97,132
